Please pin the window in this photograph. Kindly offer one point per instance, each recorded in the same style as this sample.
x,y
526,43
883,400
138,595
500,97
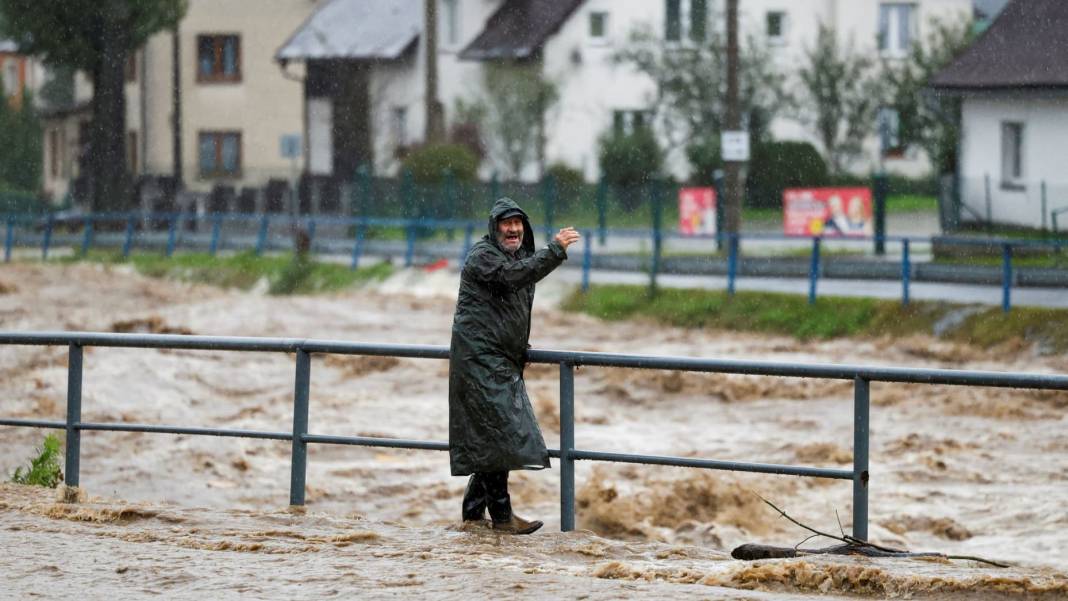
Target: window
x,y
130,70
399,125
1012,166
219,154
218,58
776,27
53,153
599,26
627,122
11,77
896,28
889,128
685,20
451,21
131,152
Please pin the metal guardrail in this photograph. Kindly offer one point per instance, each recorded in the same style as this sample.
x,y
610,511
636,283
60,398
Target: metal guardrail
x,y
861,376
258,227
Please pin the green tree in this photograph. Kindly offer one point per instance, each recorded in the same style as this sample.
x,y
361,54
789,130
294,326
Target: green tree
x,y
930,122
840,97
20,154
691,89
94,36
58,90
517,100
629,161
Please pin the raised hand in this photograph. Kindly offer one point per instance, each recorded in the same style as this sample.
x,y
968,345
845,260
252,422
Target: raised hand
x,y
567,236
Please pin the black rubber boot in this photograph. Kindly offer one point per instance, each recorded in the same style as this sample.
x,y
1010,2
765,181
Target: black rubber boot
x,y
474,507
497,499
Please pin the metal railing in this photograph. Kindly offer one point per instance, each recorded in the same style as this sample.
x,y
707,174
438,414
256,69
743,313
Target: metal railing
x,y
861,376
348,236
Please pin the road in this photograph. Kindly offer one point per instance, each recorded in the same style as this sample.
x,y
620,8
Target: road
x,y
935,291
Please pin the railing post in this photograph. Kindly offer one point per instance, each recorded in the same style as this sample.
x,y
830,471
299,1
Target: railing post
x,y
299,462
602,210
127,244
1006,277
814,270
357,248
658,241
468,233
587,260
172,233
732,262
311,236
216,231
549,204
906,272
881,189
409,250
261,236
9,239
74,415
567,444
861,405
46,240
87,236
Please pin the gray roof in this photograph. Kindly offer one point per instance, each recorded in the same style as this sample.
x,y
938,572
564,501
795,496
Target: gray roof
x,y
7,45
988,9
519,28
356,29
1025,48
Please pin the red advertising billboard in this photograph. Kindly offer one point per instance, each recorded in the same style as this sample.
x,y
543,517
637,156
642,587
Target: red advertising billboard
x,y
697,211
827,212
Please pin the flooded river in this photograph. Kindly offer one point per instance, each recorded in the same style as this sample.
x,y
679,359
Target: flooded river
x,y
961,471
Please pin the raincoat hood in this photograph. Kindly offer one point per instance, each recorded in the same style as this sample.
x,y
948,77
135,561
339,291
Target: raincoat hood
x,y
506,206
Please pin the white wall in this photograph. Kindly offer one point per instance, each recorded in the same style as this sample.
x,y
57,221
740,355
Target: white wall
x,y
591,86
1045,121
403,83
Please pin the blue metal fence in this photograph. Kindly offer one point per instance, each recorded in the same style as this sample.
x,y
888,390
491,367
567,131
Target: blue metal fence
x,y
348,235
299,437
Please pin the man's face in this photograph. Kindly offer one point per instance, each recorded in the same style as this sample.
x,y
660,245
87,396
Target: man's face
x,y
510,233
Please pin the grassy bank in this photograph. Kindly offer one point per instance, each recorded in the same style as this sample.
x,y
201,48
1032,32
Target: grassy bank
x,y
830,317
283,274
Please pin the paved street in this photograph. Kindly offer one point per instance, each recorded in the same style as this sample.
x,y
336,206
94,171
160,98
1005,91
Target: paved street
x,y
957,293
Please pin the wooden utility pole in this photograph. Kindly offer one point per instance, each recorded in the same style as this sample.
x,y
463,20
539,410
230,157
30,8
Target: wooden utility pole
x,y
176,106
732,203
435,118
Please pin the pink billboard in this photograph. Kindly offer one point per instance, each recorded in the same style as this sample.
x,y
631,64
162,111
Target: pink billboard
x,y
697,211
827,212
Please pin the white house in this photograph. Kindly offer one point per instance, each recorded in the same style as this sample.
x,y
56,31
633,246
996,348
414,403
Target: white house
x,y
1013,84
573,41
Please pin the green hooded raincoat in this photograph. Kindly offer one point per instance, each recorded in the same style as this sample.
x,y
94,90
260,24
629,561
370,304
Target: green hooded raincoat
x,y
491,423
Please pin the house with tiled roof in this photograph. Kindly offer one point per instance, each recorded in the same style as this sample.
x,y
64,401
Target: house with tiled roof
x,y
1013,86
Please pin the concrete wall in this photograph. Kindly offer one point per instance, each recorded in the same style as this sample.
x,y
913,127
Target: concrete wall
x,y
1045,128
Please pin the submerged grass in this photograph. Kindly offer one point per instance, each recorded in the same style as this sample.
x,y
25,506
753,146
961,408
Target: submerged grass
x,y
284,274
830,317
44,469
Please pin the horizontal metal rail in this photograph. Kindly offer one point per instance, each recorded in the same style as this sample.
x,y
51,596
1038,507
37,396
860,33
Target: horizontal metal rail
x,y
576,358
567,360
353,242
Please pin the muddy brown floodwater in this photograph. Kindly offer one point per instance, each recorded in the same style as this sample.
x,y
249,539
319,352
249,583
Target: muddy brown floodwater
x,y
962,471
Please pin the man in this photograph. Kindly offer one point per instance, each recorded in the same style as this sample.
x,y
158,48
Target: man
x,y
492,428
